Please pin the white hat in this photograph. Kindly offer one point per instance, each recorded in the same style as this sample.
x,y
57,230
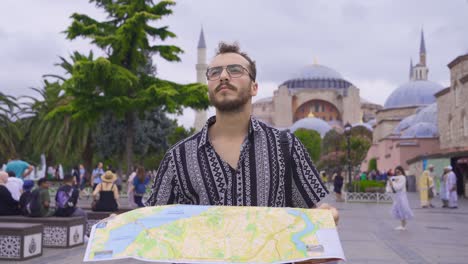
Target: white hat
x,y
449,167
430,166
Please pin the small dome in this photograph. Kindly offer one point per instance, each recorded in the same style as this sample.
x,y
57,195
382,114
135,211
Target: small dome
x,y
312,123
421,130
317,76
427,114
413,93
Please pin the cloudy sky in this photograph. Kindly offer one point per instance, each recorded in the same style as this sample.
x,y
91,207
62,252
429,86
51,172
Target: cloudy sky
x,y
369,42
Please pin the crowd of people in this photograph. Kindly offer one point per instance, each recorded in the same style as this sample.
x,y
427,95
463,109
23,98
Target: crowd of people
x,y
19,197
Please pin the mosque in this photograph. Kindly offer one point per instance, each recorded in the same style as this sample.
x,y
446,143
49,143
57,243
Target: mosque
x,y
421,122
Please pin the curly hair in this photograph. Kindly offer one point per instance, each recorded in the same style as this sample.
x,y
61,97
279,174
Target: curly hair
x,y
234,48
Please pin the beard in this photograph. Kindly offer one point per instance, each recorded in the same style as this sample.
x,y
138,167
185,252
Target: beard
x,y
229,105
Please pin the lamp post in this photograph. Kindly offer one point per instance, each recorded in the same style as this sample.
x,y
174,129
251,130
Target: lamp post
x,y
347,132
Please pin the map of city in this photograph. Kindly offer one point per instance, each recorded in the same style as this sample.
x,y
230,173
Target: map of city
x,y
216,234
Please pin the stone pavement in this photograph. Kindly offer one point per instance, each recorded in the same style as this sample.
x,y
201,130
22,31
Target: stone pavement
x,y
366,230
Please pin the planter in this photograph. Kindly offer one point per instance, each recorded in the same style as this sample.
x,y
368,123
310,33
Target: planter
x,y
368,197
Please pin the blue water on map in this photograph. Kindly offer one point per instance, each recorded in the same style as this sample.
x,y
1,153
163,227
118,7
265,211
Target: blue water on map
x,y
296,238
120,238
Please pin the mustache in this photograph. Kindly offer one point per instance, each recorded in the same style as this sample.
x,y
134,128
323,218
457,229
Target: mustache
x,y
228,85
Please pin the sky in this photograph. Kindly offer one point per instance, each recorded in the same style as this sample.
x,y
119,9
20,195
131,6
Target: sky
x,y
369,42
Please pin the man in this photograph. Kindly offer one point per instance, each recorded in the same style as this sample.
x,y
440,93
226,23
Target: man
x,y
451,187
443,188
67,198
435,179
236,159
96,175
44,198
14,185
22,169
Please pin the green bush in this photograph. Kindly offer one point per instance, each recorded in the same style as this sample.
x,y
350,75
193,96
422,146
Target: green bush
x,y
361,186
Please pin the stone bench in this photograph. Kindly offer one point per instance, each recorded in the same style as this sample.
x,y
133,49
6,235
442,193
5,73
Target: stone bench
x,y
94,217
59,232
20,241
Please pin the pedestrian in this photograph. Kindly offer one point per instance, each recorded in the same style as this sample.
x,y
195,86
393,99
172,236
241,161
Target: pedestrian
x,y
14,185
82,181
131,189
66,199
235,159
426,186
21,168
451,188
8,205
443,188
139,184
400,207
25,196
106,194
338,186
96,175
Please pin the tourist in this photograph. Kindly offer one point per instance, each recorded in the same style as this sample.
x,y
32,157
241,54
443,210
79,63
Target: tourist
x,y
139,184
131,189
25,196
338,186
236,159
425,189
106,194
96,175
14,185
400,208
66,199
443,189
22,169
451,188
8,205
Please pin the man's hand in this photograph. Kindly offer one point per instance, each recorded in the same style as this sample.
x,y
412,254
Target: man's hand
x,y
333,210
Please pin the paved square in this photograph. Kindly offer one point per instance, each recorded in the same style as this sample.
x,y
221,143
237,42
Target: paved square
x,y
366,230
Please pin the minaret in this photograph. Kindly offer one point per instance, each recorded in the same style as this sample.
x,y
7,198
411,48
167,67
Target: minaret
x,y
411,76
422,50
201,115
420,71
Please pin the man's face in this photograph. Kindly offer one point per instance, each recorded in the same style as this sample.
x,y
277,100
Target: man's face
x,y
45,185
230,94
431,169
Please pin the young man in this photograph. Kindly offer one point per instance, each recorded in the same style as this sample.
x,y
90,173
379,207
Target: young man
x,y
21,168
236,159
44,198
66,199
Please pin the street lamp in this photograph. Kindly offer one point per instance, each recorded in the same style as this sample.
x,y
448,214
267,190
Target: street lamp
x,y
347,132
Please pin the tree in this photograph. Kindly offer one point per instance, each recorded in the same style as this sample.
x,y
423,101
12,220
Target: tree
x,y
119,83
372,164
311,141
9,132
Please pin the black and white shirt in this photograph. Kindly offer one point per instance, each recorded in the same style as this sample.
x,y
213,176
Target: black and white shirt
x,y
193,173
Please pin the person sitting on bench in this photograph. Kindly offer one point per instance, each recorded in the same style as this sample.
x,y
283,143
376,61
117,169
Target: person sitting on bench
x,y
67,198
8,205
106,194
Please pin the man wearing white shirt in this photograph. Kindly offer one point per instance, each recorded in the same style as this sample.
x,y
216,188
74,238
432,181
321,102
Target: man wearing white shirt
x,y
14,185
451,187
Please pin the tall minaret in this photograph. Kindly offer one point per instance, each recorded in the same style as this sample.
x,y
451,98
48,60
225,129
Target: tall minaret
x,y
422,50
411,69
420,71
201,115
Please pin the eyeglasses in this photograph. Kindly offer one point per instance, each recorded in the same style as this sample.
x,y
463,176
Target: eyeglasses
x,y
234,71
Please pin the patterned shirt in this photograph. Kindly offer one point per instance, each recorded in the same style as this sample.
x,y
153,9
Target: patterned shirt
x,y
193,173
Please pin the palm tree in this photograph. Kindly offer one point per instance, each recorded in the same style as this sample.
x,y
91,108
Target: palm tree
x,y
9,132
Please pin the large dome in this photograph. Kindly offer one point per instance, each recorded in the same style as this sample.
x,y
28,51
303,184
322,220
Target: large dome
x,y
423,124
413,93
312,123
317,76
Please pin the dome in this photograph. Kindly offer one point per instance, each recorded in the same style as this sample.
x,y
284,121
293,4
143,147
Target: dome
x,y
312,123
413,93
317,76
423,124
421,130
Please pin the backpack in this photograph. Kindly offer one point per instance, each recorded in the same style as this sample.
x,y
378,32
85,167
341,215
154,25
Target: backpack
x,y
68,200
33,205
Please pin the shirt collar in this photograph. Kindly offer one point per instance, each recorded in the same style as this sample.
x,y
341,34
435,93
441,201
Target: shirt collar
x,y
254,127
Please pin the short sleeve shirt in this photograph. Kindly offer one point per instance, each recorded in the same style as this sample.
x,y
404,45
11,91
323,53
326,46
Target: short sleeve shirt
x,y
18,167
